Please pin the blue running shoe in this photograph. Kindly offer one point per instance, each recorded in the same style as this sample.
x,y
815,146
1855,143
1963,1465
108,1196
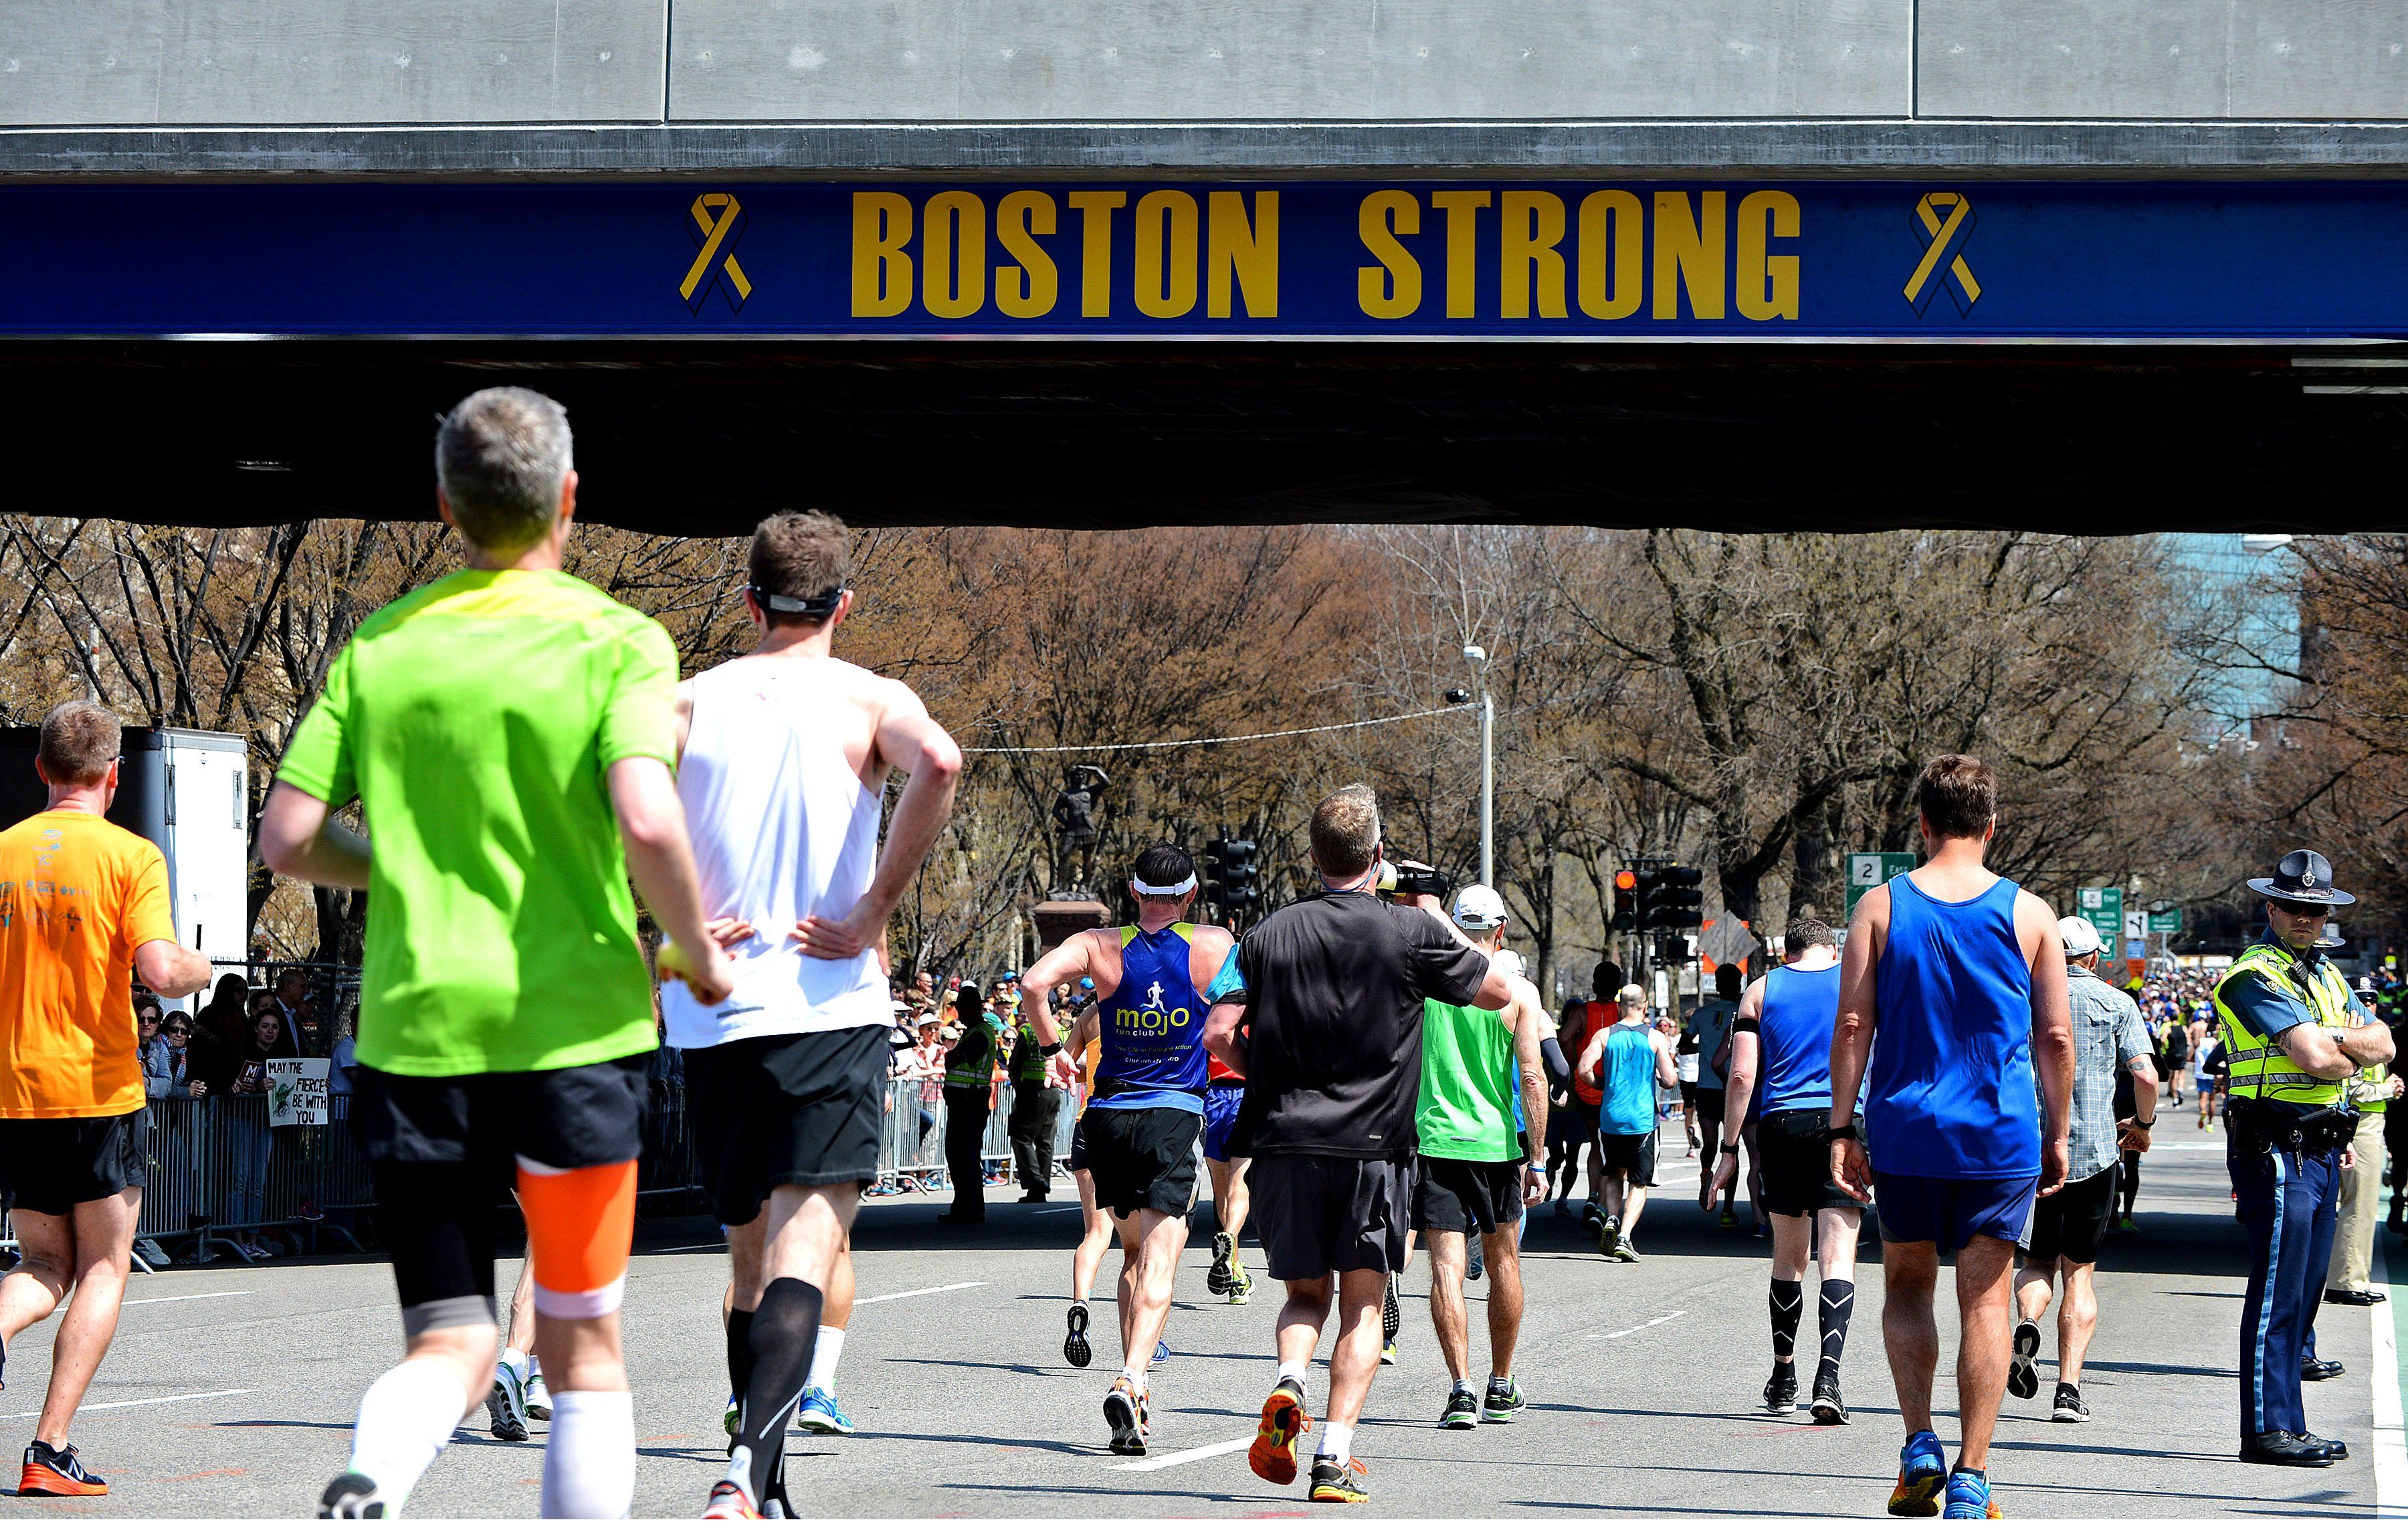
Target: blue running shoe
x,y
1161,1354
1969,1497
819,1416
1922,1475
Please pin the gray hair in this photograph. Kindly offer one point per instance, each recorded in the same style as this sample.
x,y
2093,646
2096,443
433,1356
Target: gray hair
x,y
501,458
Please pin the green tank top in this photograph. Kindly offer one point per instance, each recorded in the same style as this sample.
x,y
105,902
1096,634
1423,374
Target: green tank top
x,y
1467,1109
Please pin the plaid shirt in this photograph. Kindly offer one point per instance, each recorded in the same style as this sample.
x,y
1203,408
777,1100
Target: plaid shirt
x,y
2107,1032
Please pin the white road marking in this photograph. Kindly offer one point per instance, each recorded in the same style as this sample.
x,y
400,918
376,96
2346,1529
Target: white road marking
x,y
1659,1319
129,1404
1193,1454
187,1297
916,1293
2390,1440
684,1250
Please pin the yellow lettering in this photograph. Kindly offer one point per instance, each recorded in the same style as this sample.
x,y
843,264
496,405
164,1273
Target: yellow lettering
x,y
1247,252
1029,290
952,254
1688,253
882,272
1767,284
1531,226
1392,288
1095,250
1613,249
1165,260
1462,247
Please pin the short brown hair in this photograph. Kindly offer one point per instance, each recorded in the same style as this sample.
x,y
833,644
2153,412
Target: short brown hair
x,y
802,554
1346,831
1806,931
502,456
79,741
1958,797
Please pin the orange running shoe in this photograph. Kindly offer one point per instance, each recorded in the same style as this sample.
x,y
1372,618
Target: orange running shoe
x,y
1285,1419
57,1471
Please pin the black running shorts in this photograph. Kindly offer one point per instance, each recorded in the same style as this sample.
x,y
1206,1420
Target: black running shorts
x,y
1795,1156
1078,1160
52,1163
1144,1157
1461,1196
1320,1213
1632,1153
798,1109
2072,1224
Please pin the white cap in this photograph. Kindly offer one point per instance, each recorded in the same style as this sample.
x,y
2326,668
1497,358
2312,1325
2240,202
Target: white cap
x,y
1477,908
2081,937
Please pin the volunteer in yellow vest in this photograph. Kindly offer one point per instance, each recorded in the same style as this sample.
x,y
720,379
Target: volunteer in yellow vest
x,y
2293,1035
2349,1278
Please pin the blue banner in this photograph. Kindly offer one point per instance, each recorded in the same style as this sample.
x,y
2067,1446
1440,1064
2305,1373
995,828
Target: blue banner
x,y
1144,261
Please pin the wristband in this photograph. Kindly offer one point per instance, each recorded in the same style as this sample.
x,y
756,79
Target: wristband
x,y
2146,1126
1731,1149
1049,1050
1846,1134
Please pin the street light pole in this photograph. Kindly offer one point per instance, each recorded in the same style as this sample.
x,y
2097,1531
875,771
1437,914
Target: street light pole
x,y
1479,657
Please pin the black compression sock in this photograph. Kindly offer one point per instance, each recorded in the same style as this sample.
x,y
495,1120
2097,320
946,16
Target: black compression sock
x,y
739,1353
1838,1307
784,1330
1788,1309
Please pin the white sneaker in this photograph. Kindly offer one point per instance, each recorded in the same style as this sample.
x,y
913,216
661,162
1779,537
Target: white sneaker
x,y
506,1406
538,1398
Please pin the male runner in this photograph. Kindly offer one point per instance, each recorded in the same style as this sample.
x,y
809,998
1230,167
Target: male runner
x,y
508,732
1480,1070
2067,1226
1095,1224
1328,992
1628,1060
1710,1027
1144,1123
1586,1099
83,912
1224,1091
782,759
1781,1052
1954,985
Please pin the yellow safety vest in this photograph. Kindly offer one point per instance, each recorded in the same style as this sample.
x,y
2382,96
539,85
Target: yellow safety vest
x,y
2257,1067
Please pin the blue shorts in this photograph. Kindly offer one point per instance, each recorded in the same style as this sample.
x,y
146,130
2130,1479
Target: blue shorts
x,y
1950,1213
1221,1099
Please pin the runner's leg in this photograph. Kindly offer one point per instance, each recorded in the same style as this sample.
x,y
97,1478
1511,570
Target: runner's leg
x,y
2077,1321
32,1290
1909,1332
580,1227
1353,1359
1504,1253
104,1248
1151,1243
802,1237
1984,1273
1094,1235
1446,1253
1835,1241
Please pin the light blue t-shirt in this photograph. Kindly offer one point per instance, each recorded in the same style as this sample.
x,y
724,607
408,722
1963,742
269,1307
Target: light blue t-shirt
x,y
1627,1076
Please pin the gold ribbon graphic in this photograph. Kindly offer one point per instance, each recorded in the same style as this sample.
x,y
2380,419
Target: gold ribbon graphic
x,y
1947,242
716,233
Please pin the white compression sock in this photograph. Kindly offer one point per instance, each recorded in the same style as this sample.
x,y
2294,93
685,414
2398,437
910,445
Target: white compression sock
x,y
589,1466
823,1355
404,1419
1337,1441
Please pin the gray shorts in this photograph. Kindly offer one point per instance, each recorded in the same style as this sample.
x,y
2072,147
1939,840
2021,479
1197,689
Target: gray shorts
x,y
1320,1213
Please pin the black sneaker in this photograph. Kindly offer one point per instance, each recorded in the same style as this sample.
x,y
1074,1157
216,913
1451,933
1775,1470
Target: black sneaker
x,y
2023,1368
1462,1410
1504,1401
1075,1349
352,1498
1829,1410
1392,1318
57,1470
2069,1410
1216,1282
1339,1482
1781,1390
1475,1264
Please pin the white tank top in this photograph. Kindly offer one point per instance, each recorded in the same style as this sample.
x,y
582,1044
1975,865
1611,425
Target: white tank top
x,y
781,828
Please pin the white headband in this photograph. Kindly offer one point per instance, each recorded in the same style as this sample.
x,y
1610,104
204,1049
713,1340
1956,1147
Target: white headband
x,y
1173,892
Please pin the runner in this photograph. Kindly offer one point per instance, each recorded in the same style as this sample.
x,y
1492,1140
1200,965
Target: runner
x,y
1587,1101
1095,1229
84,913
1144,1123
1783,1040
782,759
518,1395
1224,1090
1477,1167
1629,1060
2109,1044
1710,1030
508,733
1954,984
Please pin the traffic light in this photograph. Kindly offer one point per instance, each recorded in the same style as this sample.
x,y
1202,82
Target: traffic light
x,y
1625,900
1679,901
1238,890
1216,861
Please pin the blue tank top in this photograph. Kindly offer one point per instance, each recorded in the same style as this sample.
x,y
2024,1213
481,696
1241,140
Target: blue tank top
x,y
1630,1072
1153,1027
1952,1086
1794,1038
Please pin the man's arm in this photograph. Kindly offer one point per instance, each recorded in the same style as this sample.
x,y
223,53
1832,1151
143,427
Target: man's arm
x,y
2052,1037
1221,1034
300,838
1523,1015
1064,965
1852,1037
910,741
1667,1072
1592,1055
660,861
169,970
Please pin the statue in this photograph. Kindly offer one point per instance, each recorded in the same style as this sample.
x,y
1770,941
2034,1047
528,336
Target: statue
x,y
1074,827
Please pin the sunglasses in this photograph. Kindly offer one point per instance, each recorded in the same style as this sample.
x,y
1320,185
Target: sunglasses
x,y
2298,911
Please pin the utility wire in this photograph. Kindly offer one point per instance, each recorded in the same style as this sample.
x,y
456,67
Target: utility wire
x,y
1218,740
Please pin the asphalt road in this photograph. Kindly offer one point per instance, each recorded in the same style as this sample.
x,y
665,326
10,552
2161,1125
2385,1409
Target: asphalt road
x,y
230,1389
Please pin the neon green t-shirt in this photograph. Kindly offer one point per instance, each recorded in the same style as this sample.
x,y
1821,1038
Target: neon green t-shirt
x,y
1468,1105
474,720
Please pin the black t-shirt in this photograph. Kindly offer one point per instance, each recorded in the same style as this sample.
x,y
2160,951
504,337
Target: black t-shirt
x,y
1334,985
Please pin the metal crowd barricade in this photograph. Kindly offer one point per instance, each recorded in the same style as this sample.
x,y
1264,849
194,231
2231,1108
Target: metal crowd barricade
x,y
217,1168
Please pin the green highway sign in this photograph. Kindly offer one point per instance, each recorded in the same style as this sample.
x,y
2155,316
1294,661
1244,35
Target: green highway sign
x,y
2165,923
1868,870
2104,908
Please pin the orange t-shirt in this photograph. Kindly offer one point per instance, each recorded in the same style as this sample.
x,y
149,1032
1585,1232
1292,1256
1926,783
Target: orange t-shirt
x,y
78,894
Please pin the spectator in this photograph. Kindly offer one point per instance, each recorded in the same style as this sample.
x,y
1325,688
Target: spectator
x,y
248,1135
158,1070
292,996
343,1056
219,1032
176,1033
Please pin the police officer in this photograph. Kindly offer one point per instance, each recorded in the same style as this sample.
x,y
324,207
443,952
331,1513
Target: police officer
x,y
2294,1035
969,1074
2371,1091
1036,1107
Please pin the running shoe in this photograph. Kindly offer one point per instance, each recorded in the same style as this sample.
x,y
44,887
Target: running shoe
x,y
1475,1266
2023,1367
1462,1411
819,1416
2128,1227
2069,1410
1161,1354
1241,1284
1969,1497
1125,1412
1285,1419
1391,1316
1922,1477
1829,1409
51,1470
1609,1237
732,1417
1340,1483
1591,1216
1216,1282
538,1398
1780,1389
1730,1218
1624,1250
1503,1402
1388,1355
731,1501
506,1406
1075,1349
354,1497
